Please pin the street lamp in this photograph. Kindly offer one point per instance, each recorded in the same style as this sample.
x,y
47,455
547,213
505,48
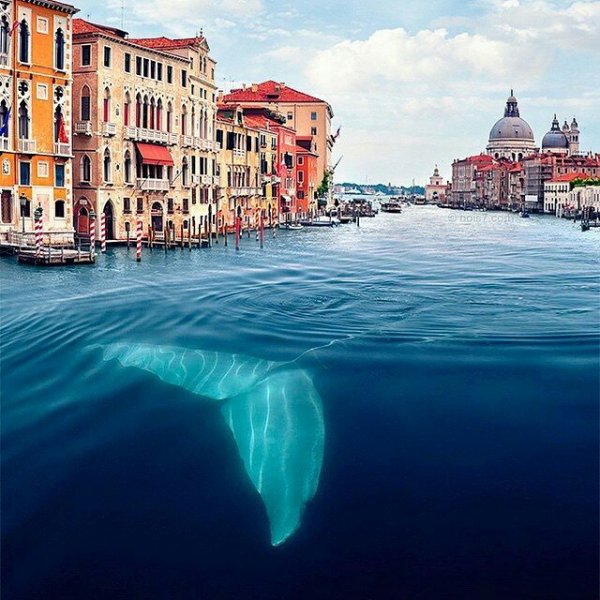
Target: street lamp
x,y
23,199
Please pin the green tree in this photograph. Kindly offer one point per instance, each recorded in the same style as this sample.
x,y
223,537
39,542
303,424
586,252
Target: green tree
x,y
324,187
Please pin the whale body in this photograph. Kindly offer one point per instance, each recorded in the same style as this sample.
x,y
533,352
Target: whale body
x,y
272,409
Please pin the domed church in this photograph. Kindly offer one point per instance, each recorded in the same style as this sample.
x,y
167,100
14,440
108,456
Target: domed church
x,y
555,140
511,137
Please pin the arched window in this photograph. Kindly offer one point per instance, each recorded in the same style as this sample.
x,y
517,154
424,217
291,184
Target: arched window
x,y
107,163
126,109
184,172
58,123
85,103
145,113
4,30
4,118
106,106
184,120
24,42
193,121
59,209
159,109
127,167
169,116
59,49
152,107
138,111
86,168
23,121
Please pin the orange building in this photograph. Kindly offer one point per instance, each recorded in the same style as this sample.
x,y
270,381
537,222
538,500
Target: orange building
x,y
35,116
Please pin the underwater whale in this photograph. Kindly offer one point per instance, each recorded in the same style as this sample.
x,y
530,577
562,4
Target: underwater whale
x,y
272,409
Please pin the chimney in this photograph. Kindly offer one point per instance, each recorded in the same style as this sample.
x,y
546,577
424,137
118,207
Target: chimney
x,y
243,86
220,96
255,87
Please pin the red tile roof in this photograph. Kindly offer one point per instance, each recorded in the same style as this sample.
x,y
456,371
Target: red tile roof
x,y
269,91
568,177
164,43
81,26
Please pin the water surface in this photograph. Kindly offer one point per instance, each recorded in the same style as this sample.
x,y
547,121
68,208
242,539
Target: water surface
x,y
456,355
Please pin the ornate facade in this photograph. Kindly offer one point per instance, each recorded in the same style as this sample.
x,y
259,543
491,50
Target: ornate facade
x,y
35,116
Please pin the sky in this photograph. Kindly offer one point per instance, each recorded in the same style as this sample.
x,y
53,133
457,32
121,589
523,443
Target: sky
x,y
412,84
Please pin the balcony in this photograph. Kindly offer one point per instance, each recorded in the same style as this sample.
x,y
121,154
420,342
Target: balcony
x,y
4,143
217,146
3,59
205,179
216,179
246,191
109,128
187,141
195,179
173,139
84,127
62,149
142,134
27,146
239,152
153,185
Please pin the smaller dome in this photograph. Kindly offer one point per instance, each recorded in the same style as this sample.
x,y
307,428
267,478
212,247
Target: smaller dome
x,y
555,139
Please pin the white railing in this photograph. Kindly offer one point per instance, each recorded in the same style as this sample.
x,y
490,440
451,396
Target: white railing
x,y
4,143
187,140
84,127
246,191
153,185
62,149
3,60
198,143
217,146
239,152
27,145
205,179
173,138
142,134
195,179
109,129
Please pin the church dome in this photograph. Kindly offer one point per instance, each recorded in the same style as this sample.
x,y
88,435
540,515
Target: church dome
x,y
555,139
511,126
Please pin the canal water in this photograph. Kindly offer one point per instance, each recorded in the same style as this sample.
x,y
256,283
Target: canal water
x,y
456,357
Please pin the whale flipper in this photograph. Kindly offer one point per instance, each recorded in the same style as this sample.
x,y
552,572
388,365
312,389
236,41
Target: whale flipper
x,y
273,410
279,430
215,375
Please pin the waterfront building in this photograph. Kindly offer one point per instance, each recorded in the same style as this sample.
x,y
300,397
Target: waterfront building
x,y
307,169
511,137
35,116
435,190
143,136
464,191
571,192
243,168
305,114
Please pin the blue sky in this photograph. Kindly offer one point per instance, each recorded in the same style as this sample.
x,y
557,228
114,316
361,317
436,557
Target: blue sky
x,y
411,83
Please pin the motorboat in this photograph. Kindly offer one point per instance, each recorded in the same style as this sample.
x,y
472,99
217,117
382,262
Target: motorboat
x,y
292,226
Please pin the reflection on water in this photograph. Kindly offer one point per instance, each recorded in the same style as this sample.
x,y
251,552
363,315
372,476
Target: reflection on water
x,y
456,363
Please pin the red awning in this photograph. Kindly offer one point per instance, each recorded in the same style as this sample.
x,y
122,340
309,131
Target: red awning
x,y
153,154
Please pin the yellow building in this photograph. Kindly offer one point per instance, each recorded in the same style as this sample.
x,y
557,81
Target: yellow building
x,y
35,116
239,169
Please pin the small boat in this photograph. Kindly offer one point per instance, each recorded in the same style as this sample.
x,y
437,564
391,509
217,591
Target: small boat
x,y
321,221
525,215
392,206
292,226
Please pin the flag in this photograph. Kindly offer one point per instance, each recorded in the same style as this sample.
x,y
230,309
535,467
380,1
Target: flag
x,y
62,134
14,26
337,133
5,122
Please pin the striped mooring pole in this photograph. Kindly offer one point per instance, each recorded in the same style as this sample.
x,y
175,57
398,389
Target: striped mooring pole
x,y
261,218
39,229
238,226
92,231
138,241
103,232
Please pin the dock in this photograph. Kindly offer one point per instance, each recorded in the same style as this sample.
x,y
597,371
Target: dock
x,y
50,257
